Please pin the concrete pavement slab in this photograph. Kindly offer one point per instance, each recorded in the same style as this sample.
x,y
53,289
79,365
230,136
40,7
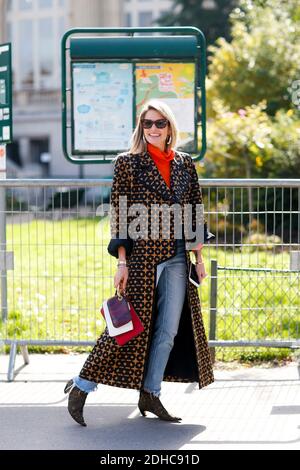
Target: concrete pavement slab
x,y
246,408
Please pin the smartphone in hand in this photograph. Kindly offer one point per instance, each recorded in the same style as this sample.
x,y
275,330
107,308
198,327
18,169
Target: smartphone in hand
x,y
193,276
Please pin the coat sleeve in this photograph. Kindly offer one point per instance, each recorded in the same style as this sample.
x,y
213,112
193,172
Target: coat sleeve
x,y
196,198
119,211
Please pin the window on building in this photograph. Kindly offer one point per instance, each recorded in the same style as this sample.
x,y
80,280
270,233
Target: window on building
x,y
26,53
45,3
9,33
25,5
128,20
13,152
61,28
145,18
37,148
39,151
46,62
36,28
164,12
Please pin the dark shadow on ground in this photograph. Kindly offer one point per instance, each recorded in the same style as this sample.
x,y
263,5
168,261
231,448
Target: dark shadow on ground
x,y
109,428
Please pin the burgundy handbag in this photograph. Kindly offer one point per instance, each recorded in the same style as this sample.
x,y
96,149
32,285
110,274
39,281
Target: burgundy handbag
x,y
119,311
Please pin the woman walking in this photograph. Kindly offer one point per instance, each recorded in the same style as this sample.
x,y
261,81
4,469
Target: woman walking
x,y
153,272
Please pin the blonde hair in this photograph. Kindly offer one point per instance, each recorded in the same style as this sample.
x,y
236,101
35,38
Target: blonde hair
x,y
138,144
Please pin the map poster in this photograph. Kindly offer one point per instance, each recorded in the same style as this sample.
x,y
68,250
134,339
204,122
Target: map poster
x,y
102,106
174,83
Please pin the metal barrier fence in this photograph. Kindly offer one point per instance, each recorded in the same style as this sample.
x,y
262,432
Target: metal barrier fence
x,y
263,310
56,271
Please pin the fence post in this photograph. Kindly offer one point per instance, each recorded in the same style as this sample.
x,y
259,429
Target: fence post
x,y
213,305
3,268
12,360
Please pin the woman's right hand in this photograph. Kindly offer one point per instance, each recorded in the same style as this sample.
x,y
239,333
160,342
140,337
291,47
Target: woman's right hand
x,y
121,278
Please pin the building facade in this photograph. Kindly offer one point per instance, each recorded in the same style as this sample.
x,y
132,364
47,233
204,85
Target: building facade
x,y
144,12
35,28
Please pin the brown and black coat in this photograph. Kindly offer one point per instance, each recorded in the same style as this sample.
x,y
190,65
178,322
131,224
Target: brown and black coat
x,y
137,177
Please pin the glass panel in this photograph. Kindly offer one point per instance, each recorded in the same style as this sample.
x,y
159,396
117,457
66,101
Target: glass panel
x,y
46,49
9,32
61,27
128,22
61,3
145,18
9,38
61,32
45,3
26,52
9,5
25,4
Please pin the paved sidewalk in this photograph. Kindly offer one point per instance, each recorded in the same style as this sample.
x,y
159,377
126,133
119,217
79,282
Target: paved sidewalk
x,y
246,408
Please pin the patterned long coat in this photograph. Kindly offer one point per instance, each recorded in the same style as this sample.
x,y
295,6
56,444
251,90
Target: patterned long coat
x,y
137,177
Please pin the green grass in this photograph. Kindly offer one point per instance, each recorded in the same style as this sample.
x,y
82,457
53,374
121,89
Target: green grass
x,y
63,273
253,305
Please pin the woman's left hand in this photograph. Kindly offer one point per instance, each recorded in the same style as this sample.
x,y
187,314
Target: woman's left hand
x,y
200,268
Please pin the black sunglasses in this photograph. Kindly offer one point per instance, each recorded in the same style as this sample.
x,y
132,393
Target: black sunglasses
x,y
159,123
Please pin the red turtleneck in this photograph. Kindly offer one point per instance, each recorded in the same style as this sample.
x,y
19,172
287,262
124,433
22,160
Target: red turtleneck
x,y
162,161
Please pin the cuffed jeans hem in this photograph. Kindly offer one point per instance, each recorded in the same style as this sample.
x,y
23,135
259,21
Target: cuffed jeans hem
x,y
84,385
156,394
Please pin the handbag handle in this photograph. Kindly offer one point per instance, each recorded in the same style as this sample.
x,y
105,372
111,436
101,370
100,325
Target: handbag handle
x,y
120,296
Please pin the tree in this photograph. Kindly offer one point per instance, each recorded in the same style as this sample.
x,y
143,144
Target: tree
x,y
263,59
212,21
253,101
239,143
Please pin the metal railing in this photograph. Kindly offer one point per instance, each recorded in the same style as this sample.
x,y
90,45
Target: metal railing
x,y
56,271
263,310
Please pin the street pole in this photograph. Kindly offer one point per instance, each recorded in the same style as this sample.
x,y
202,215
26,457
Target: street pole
x,y
3,268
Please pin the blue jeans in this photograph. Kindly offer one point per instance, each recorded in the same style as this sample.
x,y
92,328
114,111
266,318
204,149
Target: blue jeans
x,y
171,287
84,384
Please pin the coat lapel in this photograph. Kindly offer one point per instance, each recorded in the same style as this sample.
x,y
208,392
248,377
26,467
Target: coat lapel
x,y
153,180
180,178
